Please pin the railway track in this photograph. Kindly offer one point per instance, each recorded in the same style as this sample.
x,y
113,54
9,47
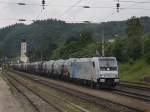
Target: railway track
x,y
133,90
58,109
84,96
133,94
139,86
23,89
138,94
18,90
136,83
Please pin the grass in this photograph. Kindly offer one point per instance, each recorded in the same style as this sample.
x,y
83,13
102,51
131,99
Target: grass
x,y
134,72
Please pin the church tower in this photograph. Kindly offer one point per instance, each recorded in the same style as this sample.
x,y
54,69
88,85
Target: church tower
x,y
23,57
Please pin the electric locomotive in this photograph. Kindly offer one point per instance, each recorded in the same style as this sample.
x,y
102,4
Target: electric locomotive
x,y
101,71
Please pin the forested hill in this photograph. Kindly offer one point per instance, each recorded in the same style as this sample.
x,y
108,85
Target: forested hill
x,y
46,35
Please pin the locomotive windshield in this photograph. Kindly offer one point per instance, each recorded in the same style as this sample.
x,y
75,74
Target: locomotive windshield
x,y
108,64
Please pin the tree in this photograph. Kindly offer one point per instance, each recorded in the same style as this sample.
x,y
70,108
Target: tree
x,y
1,53
120,49
108,48
73,45
147,48
134,34
85,38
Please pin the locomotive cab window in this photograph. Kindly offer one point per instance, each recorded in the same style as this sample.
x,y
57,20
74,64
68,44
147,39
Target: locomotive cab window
x,y
108,64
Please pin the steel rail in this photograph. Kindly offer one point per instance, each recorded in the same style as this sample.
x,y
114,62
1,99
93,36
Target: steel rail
x,y
132,94
12,84
53,105
73,92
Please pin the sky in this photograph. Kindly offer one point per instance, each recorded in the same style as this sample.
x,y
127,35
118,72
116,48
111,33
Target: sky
x,y
100,11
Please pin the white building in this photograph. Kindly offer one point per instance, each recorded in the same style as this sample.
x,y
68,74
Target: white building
x,y
23,57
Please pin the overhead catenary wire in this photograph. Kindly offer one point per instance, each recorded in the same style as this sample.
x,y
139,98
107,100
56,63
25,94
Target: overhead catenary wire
x,y
43,7
20,3
118,6
65,12
123,8
39,14
85,21
130,7
35,4
129,1
43,4
105,19
15,19
70,7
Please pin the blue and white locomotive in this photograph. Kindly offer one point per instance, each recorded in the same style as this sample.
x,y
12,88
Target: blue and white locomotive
x,y
102,71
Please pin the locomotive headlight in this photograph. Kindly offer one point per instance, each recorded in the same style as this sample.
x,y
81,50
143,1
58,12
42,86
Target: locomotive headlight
x,y
116,80
102,80
102,76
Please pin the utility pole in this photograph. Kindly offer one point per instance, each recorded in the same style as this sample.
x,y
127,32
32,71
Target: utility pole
x,y
103,42
41,56
98,47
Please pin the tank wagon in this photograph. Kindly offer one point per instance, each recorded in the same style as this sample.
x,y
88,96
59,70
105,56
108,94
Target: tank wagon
x,y
102,71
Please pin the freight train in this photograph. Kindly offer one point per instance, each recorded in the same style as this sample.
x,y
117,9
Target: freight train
x,y
95,71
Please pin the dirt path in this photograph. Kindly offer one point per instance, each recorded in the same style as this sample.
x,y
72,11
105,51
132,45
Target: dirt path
x,y
8,102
